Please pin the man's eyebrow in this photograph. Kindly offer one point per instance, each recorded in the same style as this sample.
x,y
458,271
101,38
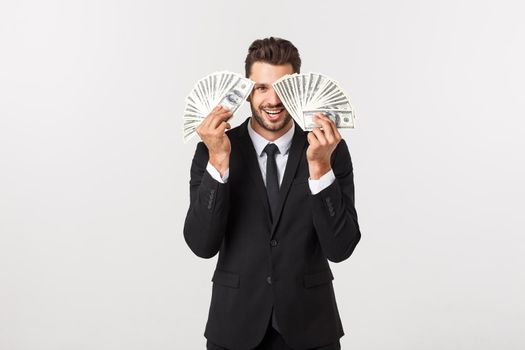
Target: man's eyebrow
x,y
261,84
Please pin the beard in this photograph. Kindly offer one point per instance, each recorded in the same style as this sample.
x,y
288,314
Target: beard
x,y
270,126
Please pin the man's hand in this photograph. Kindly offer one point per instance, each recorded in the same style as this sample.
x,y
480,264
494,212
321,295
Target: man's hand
x,y
212,133
322,144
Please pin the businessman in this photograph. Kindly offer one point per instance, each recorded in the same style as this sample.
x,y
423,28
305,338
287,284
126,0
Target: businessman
x,y
277,204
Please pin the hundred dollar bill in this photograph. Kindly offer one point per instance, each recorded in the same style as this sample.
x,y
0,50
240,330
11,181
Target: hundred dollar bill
x,y
344,119
304,95
237,94
223,88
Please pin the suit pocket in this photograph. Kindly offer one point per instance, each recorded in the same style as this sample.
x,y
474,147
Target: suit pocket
x,y
318,278
225,278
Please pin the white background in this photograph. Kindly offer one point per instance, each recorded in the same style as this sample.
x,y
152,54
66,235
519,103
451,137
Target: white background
x,y
94,174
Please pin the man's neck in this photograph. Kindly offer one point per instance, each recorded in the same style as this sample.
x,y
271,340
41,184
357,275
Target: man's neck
x,y
268,134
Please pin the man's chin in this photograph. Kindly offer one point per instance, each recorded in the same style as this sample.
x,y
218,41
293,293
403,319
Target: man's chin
x,y
275,123
274,119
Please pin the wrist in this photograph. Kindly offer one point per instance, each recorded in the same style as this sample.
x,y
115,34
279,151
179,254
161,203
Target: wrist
x,y
221,162
318,169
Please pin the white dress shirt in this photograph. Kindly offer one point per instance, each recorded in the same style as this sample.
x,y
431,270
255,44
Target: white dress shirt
x,y
281,158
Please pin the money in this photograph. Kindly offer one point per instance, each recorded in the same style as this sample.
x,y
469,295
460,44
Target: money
x,y
343,119
224,88
304,95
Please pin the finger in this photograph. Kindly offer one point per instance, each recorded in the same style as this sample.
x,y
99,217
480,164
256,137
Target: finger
x,y
328,128
214,111
219,118
211,121
318,119
335,129
223,126
319,134
312,140
206,121
337,134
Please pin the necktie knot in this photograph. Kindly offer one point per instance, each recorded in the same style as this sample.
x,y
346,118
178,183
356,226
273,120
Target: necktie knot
x,y
271,149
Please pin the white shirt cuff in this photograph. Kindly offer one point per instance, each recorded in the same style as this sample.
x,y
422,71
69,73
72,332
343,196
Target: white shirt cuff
x,y
323,182
216,175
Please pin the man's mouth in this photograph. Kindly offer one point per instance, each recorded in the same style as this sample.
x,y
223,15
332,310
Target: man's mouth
x,y
273,113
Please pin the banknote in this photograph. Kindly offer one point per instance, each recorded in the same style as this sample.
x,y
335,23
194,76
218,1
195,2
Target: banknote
x,y
224,88
343,119
237,94
304,95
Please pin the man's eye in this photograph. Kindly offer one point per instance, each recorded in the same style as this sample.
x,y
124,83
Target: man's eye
x,y
261,88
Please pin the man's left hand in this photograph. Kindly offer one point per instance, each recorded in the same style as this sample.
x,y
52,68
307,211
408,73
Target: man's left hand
x,y
322,144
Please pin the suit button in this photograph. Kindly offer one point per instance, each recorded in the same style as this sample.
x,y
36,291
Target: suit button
x,y
269,280
273,243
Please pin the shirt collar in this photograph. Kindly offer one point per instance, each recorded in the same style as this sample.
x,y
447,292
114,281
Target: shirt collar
x,y
284,142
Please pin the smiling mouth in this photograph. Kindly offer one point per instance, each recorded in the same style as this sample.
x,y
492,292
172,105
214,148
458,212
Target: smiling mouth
x,y
273,112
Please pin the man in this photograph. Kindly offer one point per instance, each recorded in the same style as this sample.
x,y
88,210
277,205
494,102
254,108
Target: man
x,y
276,203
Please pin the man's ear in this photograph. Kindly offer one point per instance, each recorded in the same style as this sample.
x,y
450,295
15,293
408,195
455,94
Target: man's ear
x,y
248,97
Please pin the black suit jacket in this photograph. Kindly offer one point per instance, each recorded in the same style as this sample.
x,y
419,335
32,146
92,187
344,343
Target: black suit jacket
x,y
264,265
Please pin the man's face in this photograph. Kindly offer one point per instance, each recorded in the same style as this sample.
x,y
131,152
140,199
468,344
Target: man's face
x,y
267,109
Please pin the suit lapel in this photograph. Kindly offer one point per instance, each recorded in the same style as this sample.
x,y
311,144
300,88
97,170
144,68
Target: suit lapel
x,y
294,157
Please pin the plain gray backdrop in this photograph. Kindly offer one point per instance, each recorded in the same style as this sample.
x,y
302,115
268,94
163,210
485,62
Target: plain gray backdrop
x,y
94,174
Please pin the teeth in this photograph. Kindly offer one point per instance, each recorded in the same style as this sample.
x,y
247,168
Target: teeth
x,y
273,111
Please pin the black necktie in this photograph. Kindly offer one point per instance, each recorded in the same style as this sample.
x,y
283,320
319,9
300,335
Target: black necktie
x,y
272,180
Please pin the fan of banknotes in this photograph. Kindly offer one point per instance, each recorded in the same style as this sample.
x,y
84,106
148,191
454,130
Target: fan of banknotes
x,y
304,95
224,88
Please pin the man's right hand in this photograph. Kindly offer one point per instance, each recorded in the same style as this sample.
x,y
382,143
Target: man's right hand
x,y
212,133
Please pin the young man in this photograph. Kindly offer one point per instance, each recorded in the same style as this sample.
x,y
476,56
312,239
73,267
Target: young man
x,y
276,203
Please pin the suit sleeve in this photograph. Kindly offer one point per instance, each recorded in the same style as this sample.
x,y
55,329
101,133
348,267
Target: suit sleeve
x,y
207,215
334,214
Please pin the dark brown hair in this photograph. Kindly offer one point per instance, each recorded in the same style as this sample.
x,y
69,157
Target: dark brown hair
x,y
272,50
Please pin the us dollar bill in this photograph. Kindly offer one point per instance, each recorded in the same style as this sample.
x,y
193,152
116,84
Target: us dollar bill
x,y
237,94
343,119
223,88
304,95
